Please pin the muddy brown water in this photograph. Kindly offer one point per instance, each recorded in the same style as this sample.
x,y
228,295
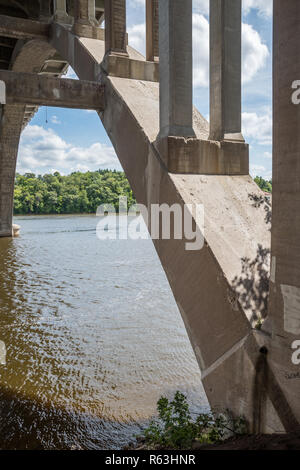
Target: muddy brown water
x,y
93,337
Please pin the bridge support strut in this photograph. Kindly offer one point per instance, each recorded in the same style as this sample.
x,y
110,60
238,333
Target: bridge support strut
x,y
176,69
225,69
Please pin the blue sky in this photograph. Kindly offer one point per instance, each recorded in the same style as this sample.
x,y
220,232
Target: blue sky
x,y
76,140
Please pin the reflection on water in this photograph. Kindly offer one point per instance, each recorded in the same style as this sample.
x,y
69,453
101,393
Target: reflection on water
x,y
93,337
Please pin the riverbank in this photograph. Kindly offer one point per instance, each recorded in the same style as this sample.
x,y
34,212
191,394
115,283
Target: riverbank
x,y
247,442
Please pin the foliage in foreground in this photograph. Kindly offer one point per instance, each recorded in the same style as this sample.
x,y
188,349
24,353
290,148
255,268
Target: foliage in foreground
x,y
176,429
73,194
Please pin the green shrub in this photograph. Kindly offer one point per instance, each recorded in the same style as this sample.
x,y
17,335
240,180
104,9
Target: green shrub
x,y
175,428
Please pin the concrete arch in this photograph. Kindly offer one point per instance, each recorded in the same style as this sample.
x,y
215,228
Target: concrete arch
x,y
27,57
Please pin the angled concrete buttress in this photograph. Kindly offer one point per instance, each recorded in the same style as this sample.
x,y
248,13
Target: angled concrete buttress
x,y
211,285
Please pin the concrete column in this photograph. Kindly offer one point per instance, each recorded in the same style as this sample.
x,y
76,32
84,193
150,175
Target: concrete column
x,y
283,321
115,27
225,69
85,22
85,12
60,12
45,10
152,26
285,273
11,119
176,68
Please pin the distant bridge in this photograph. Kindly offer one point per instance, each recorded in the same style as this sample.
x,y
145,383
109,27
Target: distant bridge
x,y
171,154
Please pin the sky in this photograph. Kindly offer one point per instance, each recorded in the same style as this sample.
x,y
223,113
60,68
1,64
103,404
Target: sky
x,y
75,140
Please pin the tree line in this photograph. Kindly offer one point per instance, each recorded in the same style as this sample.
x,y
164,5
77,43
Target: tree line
x,y
78,192
265,185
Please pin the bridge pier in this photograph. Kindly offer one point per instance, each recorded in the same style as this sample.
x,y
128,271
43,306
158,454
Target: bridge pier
x,y
176,69
225,70
10,131
284,313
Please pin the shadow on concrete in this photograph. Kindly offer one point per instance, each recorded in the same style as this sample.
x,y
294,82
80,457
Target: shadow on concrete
x,y
266,386
260,392
259,201
252,286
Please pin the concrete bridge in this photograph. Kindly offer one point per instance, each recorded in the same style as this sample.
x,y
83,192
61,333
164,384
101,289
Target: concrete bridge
x,y
172,155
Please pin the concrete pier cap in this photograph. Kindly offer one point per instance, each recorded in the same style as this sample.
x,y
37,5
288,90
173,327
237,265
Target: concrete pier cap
x,y
225,152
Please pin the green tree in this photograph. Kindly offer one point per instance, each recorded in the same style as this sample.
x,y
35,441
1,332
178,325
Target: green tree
x,y
75,193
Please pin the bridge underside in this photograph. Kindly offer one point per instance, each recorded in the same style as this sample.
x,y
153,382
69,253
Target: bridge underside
x,y
221,290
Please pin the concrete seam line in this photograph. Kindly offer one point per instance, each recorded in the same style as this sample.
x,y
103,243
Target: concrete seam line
x,y
224,356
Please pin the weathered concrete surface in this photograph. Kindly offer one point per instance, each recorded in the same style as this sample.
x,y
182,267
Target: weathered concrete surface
x,y
124,67
10,130
21,28
115,27
210,285
284,313
41,90
204,157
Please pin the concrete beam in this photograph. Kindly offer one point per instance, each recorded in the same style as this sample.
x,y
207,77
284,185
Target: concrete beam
x,y
20,28
203,157
176,68
40,90
225,69
115,27
152,27
124,67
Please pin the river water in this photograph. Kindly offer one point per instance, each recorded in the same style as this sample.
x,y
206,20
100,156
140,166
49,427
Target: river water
x,y
93,337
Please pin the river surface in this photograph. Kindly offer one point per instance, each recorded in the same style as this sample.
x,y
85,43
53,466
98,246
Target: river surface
x,y
93,337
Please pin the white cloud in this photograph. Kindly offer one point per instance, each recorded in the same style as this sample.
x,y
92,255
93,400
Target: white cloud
x,y
201,7
260,170
41,150
137,37
267,155
264,7
257,168
254,56
200,50
258,127
55,120
255,53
